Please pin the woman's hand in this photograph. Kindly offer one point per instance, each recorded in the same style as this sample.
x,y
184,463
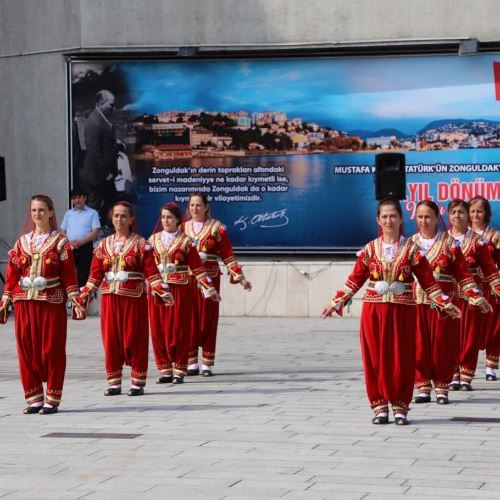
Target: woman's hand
x,y
168,299
79,307
163,292
327,311
452,310
336,305
246,284
84,298
484,305
4,311
79,313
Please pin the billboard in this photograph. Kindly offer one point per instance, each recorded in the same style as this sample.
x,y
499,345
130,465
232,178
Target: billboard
x,y
285,148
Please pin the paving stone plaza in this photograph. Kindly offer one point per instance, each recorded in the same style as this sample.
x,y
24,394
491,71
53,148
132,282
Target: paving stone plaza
x,y
285,416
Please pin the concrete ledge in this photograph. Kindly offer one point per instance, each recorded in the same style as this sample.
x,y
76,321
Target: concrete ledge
x,y
287,288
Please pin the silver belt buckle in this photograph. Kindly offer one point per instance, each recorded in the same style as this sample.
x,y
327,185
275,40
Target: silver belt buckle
x,y
25,283
170,268
121,276
167,268
381,287
39,283
397,288
110,277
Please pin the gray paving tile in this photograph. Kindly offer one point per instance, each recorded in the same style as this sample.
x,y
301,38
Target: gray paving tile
x,y
452,492
361,488
330,495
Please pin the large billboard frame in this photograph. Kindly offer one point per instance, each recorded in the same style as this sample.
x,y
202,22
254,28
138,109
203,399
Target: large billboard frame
x,y
239,56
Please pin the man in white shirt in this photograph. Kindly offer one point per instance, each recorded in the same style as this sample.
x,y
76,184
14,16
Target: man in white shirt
x,y
81,226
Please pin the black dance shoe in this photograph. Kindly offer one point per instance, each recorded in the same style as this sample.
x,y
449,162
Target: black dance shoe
x,y
490,377
31,410
113,391
207,373
422,399
454,386
193,371
178,380
401,421
48,410
136,392
465,387
381,420
165,380
442,400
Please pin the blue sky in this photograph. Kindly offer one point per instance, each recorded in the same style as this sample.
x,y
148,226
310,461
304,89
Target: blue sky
x,y
362,93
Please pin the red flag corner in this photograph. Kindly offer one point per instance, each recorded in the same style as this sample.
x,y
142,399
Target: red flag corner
x,y
496,74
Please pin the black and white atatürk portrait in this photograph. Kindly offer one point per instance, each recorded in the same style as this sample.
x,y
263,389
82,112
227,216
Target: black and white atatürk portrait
x,y
100,166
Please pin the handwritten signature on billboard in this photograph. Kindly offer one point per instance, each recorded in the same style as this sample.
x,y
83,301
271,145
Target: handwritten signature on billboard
x,y
266,220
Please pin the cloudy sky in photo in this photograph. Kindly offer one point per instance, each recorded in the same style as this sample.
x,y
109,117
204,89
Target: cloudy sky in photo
x,y
344,93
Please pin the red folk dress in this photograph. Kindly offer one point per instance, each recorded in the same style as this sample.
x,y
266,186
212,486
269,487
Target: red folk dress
x,y
472,323
212,242
124,308
39,278
491,339
171,325
388,318
437,337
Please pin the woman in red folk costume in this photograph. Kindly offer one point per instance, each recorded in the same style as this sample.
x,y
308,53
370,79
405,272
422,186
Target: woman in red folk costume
x,y
212,241
121,263
479,260
480,217
388,315
40,275
175,257
437,339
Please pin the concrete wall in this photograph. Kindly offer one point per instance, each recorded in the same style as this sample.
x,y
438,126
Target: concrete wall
x,y
284,288
216,22
35,35
33,103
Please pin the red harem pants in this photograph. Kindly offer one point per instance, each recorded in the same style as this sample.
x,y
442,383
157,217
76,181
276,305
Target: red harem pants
x,y
204,324
171,330
388,348
491,336
41,348
471,334
125,337
437,349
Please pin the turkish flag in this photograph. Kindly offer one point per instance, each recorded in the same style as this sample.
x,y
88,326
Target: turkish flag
x,y
496,73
